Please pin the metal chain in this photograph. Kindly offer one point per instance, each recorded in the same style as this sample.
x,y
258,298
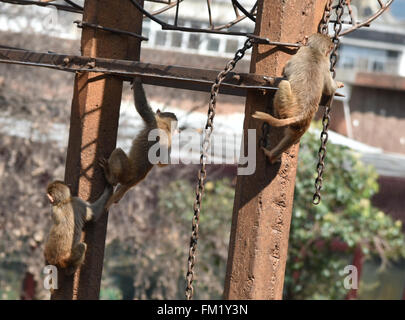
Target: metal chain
x,y
323,27
202,174
337,27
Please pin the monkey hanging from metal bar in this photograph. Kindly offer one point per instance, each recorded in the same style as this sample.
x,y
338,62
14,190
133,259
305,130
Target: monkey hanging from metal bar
x,y
129,170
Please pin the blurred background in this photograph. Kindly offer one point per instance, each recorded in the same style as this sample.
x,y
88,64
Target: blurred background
x,y
360,219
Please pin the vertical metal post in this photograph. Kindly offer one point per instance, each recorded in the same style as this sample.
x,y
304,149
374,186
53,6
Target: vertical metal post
x,y
93,130
263,201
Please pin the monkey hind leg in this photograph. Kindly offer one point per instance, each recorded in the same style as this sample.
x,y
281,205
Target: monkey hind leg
x,y
285,108
117,195
285,104
77,257
291,137
117,168
110,177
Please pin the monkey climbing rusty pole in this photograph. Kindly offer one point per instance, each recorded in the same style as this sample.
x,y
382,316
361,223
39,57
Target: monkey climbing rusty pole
x,y
263,201
93,129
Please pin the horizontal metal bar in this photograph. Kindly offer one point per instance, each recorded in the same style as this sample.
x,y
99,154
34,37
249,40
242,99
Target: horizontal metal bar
x,y
81,24
156,74
260,40
160,1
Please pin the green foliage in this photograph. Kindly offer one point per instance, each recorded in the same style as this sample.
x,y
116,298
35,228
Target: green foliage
x,y
110,294
11,276
322,239
345,215
215,220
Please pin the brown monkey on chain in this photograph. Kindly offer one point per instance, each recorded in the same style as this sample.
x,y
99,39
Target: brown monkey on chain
x,y
129,170
297,98
63,247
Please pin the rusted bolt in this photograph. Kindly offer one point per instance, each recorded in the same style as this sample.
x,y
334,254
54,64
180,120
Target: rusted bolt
x,y
91,64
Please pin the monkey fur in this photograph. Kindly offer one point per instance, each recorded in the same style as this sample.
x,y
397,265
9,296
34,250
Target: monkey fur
x,y
297,98
63,247
129,170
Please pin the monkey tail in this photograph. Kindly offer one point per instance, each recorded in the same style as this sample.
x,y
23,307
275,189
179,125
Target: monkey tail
x,y
283,100
274,121
141,103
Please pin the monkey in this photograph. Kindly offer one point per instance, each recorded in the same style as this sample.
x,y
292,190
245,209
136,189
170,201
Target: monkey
x,y
63,247
297,98
129,170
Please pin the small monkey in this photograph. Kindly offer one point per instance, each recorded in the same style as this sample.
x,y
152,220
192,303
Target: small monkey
x,y
129,170
69,215
297,98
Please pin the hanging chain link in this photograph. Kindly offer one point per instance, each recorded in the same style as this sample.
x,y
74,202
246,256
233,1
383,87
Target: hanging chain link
x,y
202,174
337,28
323,28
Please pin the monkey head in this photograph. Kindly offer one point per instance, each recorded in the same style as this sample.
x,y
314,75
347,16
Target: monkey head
x,y
320,42
169,119
58,192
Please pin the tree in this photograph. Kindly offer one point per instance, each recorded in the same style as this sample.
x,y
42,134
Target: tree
x,y
149,231
322,238
345,216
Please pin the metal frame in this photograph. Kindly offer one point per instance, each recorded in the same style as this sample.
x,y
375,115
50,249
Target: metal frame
x,y
44,4
175,76
81,24
357,25
179,77
73,7
263,200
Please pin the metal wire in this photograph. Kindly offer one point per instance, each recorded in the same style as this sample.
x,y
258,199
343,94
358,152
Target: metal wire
x,y
246,13
81,24
74,5
44,4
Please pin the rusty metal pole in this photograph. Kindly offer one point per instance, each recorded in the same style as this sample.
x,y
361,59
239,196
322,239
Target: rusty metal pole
x,y
93,130
263,201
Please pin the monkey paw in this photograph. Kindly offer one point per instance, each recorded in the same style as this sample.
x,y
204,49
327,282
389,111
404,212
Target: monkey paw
x,y
259,115
270,156
340,84
275,160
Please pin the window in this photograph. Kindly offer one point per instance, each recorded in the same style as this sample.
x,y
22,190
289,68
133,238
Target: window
x,y
194,41
392,54
231,46
213,44
160,38
177,38
377,66
347,62
145,31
